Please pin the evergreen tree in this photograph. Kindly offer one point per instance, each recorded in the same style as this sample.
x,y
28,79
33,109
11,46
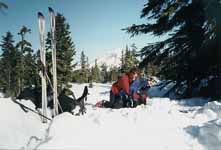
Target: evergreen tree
x,y
191,26
134,54
83,60
96,72
127,63
26,63
87,70
130,59
104,73
83,64
151,70
65,52
122,61
84,72
48,54
8,64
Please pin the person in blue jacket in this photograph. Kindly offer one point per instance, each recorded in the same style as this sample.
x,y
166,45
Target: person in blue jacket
x,y
138,92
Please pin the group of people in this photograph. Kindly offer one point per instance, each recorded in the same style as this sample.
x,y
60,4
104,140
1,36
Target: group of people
x,y
129,90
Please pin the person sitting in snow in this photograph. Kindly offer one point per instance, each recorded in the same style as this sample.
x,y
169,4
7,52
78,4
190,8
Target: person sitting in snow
x,y
138,91
122,94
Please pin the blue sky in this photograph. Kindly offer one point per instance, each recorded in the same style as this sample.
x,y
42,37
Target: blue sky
x,y
95,24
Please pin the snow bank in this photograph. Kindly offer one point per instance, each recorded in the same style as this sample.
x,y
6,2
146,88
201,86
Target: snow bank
x,y
114,131
162,124
17,127
208,134
159,125
208,131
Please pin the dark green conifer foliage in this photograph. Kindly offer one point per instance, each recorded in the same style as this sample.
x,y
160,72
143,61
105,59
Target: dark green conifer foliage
x,y
96,74
8,66
65,52
104,73
190,51
129,60
84,71
26,62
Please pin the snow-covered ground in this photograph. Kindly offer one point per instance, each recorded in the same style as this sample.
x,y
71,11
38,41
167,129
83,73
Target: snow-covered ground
x,y
18,127
162,124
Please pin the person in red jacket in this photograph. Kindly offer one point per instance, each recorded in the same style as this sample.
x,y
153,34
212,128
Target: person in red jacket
x,y
122,85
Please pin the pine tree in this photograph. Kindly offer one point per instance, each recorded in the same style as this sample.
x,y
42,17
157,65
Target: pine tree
x,y
134,54
26,63
8,64
104,73
65,52
151,70
122,61
96,72
127,63
84,72
87,70
191,26
130,59
83,65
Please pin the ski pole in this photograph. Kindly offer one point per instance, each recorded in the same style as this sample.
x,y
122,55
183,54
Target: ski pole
x,y
22,105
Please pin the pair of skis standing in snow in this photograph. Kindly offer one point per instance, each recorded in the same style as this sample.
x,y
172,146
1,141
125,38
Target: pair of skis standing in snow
x,y
66,103
128,91
43,73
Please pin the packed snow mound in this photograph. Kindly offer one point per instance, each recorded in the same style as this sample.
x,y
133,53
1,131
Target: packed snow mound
x,y
208,134
208,131
160,121
162,124
116,129
17,127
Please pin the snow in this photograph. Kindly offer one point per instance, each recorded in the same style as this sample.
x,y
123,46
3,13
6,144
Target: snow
x,y
208,131
162,124
112,58
17,127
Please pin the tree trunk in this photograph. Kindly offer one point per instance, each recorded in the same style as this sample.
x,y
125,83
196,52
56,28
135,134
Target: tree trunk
x,y
189,88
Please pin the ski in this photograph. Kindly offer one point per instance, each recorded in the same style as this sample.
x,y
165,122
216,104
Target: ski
x,y
23,107
41,27
54,64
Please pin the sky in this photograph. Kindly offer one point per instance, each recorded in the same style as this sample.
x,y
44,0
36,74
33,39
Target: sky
x,y
95,25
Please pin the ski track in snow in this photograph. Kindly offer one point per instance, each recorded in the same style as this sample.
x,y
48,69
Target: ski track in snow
x,y
162,124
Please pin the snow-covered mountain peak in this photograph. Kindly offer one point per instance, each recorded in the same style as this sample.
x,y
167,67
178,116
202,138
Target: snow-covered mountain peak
x,y
110,58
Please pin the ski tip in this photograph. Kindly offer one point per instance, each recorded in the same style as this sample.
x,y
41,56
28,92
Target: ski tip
x,y
40,15
50,9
